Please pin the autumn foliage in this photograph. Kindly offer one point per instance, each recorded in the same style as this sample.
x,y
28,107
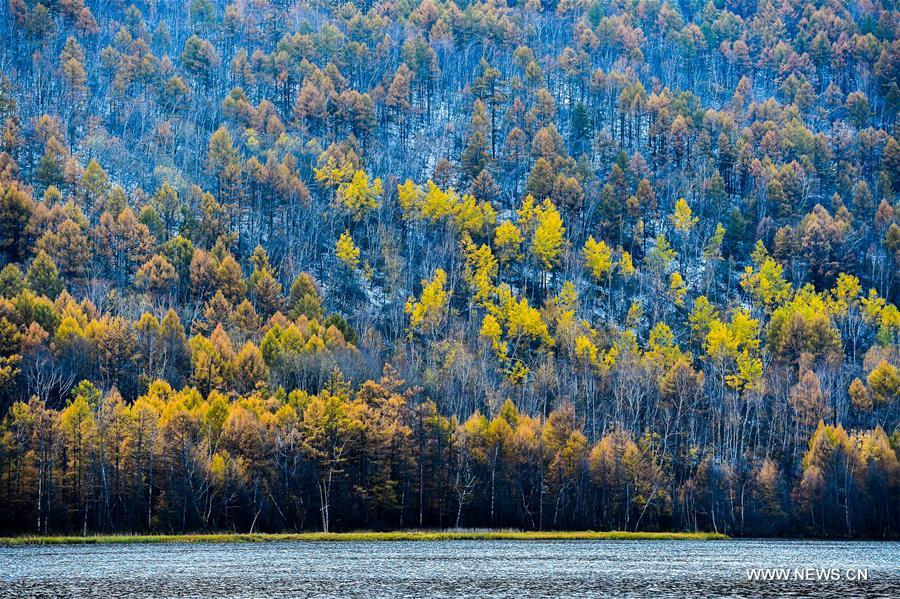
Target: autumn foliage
x,y
282,266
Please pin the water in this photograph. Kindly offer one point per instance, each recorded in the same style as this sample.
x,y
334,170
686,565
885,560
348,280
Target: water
x,y
445,569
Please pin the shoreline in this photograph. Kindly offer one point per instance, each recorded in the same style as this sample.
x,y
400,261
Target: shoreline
x,y
365,536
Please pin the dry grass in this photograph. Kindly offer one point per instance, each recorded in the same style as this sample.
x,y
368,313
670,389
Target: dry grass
x,y
452,535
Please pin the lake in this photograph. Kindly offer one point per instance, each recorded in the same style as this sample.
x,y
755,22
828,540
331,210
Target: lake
x,y
449,569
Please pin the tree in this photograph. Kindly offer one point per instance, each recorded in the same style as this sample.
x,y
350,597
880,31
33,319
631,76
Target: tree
x,y
475,157
611,212
229,278
489,88
264,286
808,402
43,277
548,239
10,339
124,241
79,430
213,360
677,289
224,162
821,239
427,314
565,448
174,352
399,91
12,281
859,396
328,427
481,270
68,247
167,205
884,381
826,484
802,326
766,284
607,464
767,488
16,207
358,196
858,109
683,219
157,276
95,187
598,259
114,341
508,241
199,58
876,478
250,371
305,297
540,180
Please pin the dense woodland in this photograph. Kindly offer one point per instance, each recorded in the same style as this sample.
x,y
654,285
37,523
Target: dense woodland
x,y
278,265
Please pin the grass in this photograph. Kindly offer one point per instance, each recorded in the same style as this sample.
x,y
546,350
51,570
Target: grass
x,y
491,535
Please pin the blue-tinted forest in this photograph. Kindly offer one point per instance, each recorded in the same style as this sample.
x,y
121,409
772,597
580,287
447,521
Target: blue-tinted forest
x,y
277,265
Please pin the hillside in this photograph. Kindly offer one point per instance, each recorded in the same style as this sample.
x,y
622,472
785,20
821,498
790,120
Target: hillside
x,y
278,265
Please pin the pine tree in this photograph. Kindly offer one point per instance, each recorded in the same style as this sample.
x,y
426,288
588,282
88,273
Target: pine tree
x,y
43,277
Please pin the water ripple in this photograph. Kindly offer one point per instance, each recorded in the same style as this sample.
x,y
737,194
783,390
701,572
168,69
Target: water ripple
x,y
651,569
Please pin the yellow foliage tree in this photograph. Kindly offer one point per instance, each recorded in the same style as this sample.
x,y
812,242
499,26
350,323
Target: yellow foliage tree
x,y
677,289
626,264
480,270
428,312
332,173
358,196
346,250
884,381
410,197
548,237
598,258
766,284
508,242
735,347
683,219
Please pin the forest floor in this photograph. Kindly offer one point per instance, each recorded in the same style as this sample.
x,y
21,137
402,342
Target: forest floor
x,y
476,535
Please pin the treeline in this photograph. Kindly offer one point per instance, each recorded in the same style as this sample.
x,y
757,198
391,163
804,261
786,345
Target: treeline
x,y
615,265
344,459
650,449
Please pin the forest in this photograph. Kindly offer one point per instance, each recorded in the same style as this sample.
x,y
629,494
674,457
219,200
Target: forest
x,y
300,265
